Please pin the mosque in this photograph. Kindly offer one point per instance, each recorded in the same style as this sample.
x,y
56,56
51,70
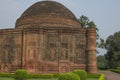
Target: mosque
x,y
48,38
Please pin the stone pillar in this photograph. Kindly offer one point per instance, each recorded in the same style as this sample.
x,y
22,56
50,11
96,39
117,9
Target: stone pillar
x,y
91,50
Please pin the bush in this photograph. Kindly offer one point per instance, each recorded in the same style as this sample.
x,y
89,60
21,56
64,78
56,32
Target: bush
x,y
115,70
8,75
56,75
21,75
102,77
81,73
69,76
118,68
41,76
93,75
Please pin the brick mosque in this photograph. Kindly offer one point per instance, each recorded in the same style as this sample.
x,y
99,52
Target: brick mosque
x,y
48,38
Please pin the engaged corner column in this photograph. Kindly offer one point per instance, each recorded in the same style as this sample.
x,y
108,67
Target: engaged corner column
x,y
91,50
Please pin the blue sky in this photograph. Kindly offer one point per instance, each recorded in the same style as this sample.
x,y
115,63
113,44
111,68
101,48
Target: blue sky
x,y
105,13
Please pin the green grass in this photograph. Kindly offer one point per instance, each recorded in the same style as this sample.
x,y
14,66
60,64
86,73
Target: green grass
x,y
27,79
39,79
45,79
6,78
92,79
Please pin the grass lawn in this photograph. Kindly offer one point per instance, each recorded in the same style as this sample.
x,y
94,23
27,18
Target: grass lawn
x,y
43,79
92,79
6,78
27,79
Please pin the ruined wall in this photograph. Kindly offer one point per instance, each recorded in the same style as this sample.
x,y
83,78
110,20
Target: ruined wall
x,y
32,49
10,49
54,50
48,50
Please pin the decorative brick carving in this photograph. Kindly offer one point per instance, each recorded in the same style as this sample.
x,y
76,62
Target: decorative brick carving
x,y
48,42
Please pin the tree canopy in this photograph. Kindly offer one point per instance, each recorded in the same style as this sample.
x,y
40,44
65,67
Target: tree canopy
x,y
112,45
84,20
102,62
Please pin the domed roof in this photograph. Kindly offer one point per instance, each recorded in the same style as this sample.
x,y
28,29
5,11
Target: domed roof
x,y
48,8
44,10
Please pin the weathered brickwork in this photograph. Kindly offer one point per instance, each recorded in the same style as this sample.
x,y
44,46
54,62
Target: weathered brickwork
x,y
47,43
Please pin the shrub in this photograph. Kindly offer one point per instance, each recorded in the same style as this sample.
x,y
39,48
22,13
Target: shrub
x,y
8,75
115,70
93,75
81,73
41,76
118,68
69,76
102,77
56,75
20,75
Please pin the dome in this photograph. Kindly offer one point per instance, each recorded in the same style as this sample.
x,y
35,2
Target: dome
x,y
47,12
49,8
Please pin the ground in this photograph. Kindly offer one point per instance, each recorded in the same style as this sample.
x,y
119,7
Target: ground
x,y
111,75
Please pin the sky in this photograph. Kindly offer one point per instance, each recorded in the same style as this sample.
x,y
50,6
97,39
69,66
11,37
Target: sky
x,y
105,13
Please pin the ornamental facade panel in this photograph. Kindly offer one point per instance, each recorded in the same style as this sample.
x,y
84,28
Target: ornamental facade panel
x,y
48,38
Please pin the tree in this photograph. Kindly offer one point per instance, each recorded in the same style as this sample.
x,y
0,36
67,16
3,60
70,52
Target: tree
x,y
112,45
92,24
102,62
83,21
101,43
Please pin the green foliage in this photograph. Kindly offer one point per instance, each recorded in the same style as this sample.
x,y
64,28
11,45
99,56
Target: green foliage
x,y
7,75
93,75
101,43
83,21
99,76
21,75
3,78
102,77
91,24
115,70
40,76
102,62
56,75
112,45
81,73
69,76
92,79
118,68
